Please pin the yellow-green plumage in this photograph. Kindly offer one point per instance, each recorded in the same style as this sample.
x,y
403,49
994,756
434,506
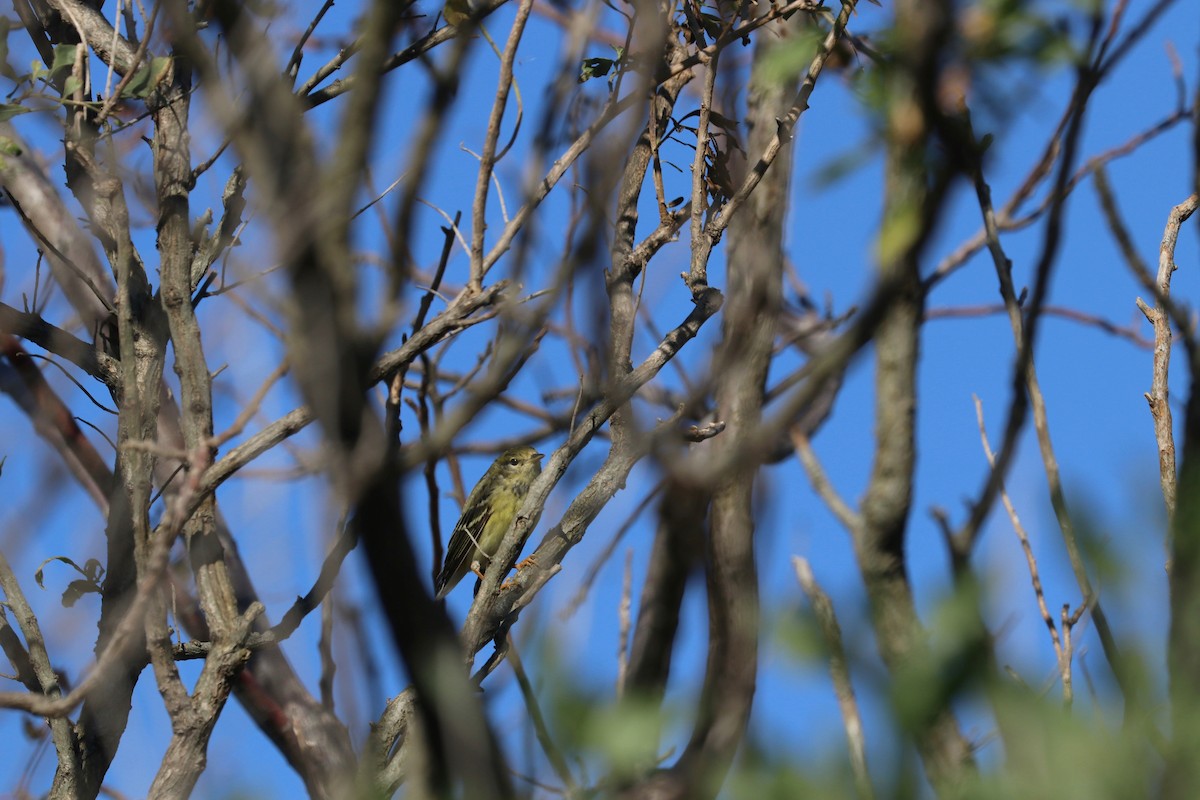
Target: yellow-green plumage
x,y
487,515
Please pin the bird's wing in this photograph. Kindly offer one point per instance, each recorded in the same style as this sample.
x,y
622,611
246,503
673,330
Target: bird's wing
x,y
463,543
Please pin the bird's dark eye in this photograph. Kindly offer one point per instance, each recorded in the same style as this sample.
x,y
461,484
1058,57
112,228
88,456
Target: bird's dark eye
x,y
512,462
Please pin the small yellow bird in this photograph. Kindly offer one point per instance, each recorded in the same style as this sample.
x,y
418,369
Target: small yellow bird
x,y
487,515
457,12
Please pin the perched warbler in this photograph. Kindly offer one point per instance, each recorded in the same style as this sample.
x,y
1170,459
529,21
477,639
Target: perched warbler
x,y
457,12
487,514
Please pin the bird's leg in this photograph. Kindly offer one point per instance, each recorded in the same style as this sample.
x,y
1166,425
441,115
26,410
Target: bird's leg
x,y
478,570
530,560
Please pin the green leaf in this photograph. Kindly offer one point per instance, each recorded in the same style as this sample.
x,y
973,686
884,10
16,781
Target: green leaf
x,y
9,110
595,68
783,61
712,25
37,576
93,569
5,68
92,572
71,86
77,589
626,734
146,78
64,58
844,164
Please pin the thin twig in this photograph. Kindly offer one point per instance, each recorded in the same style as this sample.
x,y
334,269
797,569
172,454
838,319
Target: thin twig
x,y
839,668
1060,653
325,648
138,56
820,482
1165,311
553,754
251,408
623,621
487,157
126,634
38,660
293,65
593,572
1129,333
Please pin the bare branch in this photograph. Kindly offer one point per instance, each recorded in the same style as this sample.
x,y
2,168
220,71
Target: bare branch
x,y
839,668
1061,655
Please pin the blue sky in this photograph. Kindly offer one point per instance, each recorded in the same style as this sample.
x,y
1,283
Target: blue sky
x,y
1093,385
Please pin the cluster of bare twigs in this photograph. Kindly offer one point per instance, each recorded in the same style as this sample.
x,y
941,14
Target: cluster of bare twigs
x,y
383,338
